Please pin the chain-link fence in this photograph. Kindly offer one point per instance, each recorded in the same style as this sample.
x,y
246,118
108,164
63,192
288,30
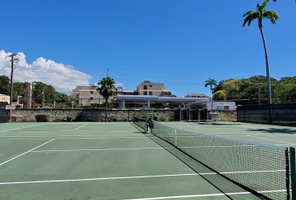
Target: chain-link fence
x,y
274,113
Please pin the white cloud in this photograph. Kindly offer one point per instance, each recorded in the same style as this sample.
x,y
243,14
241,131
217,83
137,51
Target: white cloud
x,y
64,78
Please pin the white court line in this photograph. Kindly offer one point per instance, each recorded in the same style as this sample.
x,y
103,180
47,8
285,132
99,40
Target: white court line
x,y
181,196
21,139
26,152
102,138
98,179
75,137
15,129
107,149
205,195
99,135
255,171
80,127
263,138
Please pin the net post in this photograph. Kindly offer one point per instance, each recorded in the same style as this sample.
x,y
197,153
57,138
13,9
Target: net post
x,y
293,173
176,142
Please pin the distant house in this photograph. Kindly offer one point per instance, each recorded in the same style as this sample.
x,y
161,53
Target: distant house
x,y
4,98
86,95
196,95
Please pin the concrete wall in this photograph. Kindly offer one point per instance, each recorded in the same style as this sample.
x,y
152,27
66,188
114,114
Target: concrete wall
x,y
98,115
94,115
227,115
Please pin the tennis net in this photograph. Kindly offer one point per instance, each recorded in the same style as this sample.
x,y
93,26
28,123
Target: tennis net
x,y
141,122
258,168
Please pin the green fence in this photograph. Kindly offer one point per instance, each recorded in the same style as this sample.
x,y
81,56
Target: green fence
x,y
274,113
3,112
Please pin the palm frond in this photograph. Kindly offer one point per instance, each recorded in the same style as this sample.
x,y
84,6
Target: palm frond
x,y
249,12
271,14
250,17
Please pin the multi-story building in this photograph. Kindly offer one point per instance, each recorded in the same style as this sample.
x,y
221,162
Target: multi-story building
x,y
86,95
151,89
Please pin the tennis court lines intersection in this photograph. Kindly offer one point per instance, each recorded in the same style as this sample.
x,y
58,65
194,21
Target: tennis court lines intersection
x,y
97,167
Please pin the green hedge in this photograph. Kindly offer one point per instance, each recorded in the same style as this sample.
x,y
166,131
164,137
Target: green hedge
x,y
42,117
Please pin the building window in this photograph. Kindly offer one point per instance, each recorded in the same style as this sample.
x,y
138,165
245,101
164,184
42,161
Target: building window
x,y
91,98
91,92
145,92
150,85
150,93
145,87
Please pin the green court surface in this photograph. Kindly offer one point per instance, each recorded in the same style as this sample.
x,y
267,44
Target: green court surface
x,y
87,161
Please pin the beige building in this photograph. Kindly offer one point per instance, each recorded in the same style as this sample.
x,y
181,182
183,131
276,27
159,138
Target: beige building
x,y
86,95
151,89
4,98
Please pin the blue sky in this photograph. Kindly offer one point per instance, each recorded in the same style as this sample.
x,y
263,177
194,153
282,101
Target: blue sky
x,y
180,43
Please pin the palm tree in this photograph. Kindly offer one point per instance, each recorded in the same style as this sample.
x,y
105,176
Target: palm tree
x,y
212,83
107,88
259,15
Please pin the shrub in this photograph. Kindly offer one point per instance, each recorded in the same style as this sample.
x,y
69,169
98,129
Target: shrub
x,y
155,117
69,118
164,118
78,117
114,119
42,117
147,115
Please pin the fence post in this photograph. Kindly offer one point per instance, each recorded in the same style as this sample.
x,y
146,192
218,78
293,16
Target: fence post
x,y
293,173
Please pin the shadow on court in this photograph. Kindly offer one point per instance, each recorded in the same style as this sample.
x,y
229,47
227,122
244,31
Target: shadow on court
x,y
224,185
217,124
274,130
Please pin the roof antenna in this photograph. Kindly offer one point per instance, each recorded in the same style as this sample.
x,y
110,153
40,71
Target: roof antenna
x,y
107,72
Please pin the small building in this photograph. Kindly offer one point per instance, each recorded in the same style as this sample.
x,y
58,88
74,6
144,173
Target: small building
x,y
217,105
146,99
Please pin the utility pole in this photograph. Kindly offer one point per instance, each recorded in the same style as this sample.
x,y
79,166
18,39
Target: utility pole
x,y
13,58
258,85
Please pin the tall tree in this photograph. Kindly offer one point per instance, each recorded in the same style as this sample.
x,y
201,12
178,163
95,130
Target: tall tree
x,y
4,85
212,83
107,88
259,15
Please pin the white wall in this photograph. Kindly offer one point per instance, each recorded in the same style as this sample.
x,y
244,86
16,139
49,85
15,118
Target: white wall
x,y
4,98
221,105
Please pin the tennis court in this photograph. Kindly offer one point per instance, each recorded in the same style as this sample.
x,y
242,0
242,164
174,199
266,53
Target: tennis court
x,y
75,161
261,133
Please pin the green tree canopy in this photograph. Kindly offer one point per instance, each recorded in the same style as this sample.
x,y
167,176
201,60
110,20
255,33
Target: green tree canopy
x,y
220,95
4,85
